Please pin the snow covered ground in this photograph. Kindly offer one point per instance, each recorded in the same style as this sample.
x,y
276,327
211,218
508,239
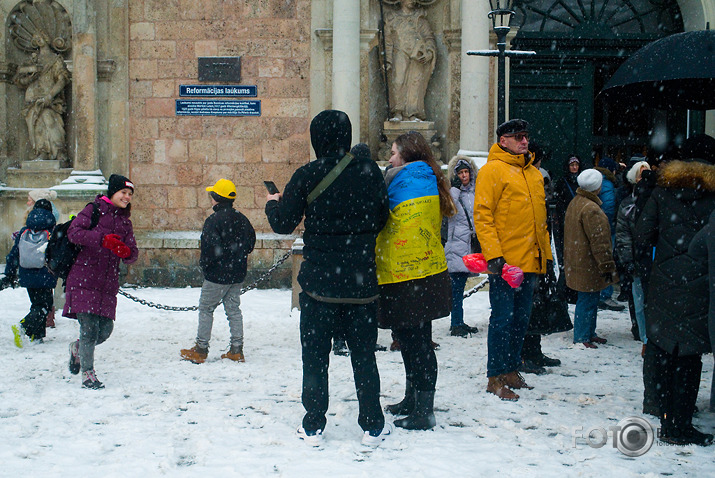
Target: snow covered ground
x,y
159,416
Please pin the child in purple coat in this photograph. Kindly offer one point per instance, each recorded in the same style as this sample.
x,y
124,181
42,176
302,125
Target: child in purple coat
x,y
93,281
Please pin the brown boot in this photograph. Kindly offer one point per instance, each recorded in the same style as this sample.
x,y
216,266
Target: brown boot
x,y
497,386
515,380
235,353
195,354
50,321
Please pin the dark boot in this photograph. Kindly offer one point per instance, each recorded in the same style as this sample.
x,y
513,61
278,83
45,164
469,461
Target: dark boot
x,y
407,404
422,417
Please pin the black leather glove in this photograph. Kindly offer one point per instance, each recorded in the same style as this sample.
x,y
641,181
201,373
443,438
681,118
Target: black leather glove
x,y
608,276
496,265
549,265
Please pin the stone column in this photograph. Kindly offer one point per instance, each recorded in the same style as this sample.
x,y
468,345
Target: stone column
x,y
474,110
346,61
84,85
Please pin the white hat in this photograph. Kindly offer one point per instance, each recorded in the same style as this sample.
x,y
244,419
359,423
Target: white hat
x,y
632,173
37,194
590,180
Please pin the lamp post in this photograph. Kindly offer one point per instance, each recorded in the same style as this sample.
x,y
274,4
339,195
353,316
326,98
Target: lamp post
x,y
501,13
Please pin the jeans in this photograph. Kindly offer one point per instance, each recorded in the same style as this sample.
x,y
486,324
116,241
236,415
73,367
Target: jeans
x,y
639,305
318,321
511,310
606,293
212,295
584,321
459,280
93,330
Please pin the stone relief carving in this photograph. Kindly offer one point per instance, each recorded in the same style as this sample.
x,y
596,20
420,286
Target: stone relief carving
x,y
43,29
411,55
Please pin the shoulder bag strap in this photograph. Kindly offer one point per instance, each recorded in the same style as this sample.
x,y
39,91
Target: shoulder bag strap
x,y
466,213
329,178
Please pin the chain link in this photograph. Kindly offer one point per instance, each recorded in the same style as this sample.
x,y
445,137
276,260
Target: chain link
x,y
253,285
476,288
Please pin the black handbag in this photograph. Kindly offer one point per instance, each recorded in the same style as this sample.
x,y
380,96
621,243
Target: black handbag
x,y
549,313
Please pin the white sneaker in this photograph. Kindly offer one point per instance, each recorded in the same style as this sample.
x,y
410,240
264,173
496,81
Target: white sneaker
x,y
312,438
375,437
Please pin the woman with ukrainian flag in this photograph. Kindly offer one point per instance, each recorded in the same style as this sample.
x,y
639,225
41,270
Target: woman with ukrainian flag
x,y
415,287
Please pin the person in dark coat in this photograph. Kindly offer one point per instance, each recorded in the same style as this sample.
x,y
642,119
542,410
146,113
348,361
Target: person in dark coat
x,y
609,203
564,191
93,282
415,287
677,298
226,240
702,248
39,282
338,275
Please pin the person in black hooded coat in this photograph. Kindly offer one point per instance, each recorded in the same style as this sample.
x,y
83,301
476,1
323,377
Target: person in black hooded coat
x,y
564,191
676,308
338,273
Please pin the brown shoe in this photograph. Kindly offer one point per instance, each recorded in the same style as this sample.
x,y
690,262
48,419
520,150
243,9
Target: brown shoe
x,y
195,354
235,353
515,380
497,386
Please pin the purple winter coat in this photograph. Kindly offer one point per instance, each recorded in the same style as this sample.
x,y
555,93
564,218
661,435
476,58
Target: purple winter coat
x,y
93,281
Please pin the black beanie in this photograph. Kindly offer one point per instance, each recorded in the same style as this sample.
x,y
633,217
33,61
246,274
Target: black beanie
x,y
117,183
43,204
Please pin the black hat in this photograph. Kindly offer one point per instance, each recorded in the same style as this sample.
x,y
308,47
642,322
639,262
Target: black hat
x,y
462,164
512,126
43,204
117,183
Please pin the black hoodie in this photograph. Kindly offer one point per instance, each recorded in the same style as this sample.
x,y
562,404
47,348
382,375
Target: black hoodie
x,y
341,225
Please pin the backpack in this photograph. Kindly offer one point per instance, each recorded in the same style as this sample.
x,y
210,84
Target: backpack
x,y
61,253
32,246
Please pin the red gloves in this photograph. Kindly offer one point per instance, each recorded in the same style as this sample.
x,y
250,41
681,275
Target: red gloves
x,y
115,244
475,263
513,275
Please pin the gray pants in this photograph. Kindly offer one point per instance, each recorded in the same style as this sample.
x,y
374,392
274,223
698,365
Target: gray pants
x,y
212,295
93,330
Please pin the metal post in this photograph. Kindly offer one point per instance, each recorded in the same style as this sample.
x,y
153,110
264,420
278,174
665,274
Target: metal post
x,y
501,33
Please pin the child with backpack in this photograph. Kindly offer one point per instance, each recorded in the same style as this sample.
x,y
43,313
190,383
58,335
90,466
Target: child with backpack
x,y
27,260
226,240
93,280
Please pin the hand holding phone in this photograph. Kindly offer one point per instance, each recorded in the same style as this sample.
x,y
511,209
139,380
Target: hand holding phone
x,y
271,187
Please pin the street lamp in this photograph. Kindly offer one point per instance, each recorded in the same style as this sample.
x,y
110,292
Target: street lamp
x,y
501,13
500,16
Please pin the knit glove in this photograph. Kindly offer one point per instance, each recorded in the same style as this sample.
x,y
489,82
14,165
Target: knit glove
x,y
475,263
115,244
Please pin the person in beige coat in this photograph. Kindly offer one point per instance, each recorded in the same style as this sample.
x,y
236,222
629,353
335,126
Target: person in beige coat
x,y
588,255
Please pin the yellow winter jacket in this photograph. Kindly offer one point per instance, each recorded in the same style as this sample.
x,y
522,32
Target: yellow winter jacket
x,y
510,211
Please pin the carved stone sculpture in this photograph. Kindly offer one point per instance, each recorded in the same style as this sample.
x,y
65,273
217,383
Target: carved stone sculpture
x,y
42,27
411,54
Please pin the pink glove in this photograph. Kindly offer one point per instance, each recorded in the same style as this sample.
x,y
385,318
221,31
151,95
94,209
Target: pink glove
x,y
475,263
513,275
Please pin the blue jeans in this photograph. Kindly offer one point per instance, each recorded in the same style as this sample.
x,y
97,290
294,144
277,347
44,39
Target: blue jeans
x,y
606,293
639,306
584,321
459,280
511,309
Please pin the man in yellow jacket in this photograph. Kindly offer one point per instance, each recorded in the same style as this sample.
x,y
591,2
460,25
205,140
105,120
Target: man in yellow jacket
x,y
510,222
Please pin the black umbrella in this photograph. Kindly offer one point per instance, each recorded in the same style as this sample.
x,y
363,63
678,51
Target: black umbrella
x,y
677,71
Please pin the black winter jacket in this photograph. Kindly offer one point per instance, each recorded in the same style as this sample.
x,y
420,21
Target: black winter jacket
x,y
677,298
342,224
226,240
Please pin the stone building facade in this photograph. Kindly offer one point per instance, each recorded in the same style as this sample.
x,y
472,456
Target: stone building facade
x,y
129,58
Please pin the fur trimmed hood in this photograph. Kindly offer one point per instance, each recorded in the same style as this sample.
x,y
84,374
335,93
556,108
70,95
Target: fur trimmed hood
x,y
451,173
607,174
687,175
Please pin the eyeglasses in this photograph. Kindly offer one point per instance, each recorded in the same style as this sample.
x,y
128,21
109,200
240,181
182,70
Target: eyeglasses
x,y
518,136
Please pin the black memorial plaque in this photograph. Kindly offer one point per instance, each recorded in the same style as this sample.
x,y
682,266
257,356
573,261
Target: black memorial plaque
x,y
220,68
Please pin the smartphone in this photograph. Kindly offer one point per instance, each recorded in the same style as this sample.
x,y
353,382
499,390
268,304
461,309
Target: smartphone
x,y
271,186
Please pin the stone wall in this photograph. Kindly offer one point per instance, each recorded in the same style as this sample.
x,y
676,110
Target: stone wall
x,y
173,159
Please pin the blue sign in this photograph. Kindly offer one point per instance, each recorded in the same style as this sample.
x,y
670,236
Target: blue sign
x,y
230,91
218,107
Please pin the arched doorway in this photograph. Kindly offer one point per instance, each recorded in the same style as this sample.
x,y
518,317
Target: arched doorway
x,y
579,45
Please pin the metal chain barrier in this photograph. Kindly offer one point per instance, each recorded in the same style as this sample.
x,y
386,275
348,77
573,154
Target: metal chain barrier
x,y
477,288
253,285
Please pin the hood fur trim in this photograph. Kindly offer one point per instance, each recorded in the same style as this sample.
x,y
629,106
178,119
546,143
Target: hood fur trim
x,y
688,175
